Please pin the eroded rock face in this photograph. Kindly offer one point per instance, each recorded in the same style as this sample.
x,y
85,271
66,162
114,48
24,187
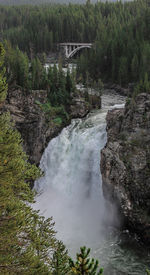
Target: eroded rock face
x,y
30,120
36,127
125,163
80,107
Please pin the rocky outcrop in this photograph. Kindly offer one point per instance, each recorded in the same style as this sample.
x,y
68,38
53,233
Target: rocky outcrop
x,y
124,91
79,108
81,105
36,126
30,120
125,163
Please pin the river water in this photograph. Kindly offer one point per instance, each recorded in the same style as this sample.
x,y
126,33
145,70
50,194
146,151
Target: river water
x,y
71,192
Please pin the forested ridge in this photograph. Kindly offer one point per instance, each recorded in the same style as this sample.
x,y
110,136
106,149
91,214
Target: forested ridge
x,y
120,33
37,2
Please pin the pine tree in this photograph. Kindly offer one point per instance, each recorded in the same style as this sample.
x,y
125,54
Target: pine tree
x,y
18,251
85,265
60,261
20,68
26,239
146,84
38,74
142,87
3,85
123,71
135,67
69,83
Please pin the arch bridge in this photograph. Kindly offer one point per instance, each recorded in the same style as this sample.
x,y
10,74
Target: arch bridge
x,y
70,49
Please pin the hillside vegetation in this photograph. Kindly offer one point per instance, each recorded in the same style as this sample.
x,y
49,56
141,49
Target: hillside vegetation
x,y
120,33
38,2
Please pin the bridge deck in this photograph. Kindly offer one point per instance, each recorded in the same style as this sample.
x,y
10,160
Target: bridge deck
x,y
75,44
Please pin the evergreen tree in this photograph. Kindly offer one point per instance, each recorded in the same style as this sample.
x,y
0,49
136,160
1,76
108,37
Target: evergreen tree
x,y
142,87
146,84
60,261
135,68
26,239
22,69
85,265
123,71
69,83
38,75
98,86
3,85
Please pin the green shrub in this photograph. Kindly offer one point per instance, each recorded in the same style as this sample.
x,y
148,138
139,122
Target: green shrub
x,y
57,120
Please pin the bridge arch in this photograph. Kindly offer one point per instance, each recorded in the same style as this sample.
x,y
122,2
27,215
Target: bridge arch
x,y
70,49
77,49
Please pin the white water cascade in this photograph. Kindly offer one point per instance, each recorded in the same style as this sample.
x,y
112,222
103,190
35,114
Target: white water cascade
x,y
71,190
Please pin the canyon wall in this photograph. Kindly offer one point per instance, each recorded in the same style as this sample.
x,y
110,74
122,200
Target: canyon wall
x,y
125,163
36,126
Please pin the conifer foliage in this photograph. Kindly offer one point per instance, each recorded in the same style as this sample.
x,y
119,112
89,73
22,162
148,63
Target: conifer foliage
x,y
119,32
26,239
85,265
3,85
60,261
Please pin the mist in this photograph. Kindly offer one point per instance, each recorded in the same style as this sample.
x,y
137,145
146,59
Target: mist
x,y
71,190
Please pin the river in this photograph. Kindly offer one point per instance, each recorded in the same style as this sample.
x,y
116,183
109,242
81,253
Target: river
x,y
71,192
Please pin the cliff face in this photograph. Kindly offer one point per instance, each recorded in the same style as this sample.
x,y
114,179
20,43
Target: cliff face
x,y
30,120
125,163
37,128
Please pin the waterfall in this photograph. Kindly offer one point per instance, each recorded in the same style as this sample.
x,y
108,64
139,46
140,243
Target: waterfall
x,y
71,188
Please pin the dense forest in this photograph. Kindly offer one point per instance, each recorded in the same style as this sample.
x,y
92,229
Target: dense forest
x,y
37,2
120,33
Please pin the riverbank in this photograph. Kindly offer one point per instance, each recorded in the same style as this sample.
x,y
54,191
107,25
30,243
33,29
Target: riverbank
x,y
126,91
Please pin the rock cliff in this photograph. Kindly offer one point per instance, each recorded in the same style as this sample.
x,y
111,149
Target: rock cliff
x,y
37,127
125,163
